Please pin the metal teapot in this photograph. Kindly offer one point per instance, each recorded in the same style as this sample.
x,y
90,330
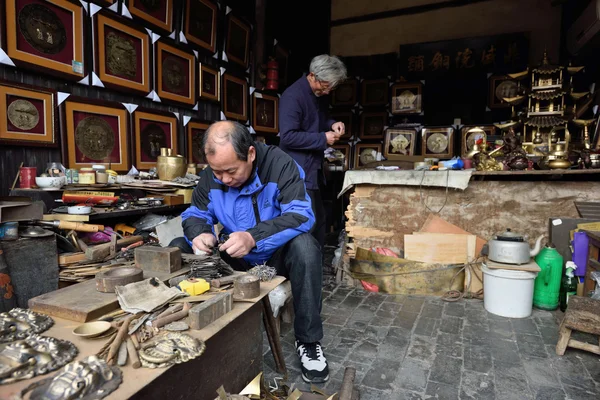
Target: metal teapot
x,y
512,248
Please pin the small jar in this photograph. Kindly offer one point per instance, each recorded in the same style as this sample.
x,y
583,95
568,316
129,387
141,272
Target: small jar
x,y
191,169
87,176
112,176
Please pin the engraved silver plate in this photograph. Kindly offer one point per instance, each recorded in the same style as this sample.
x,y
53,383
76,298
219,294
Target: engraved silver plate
x,y
170,348
437,143
23,114
19,323
95,138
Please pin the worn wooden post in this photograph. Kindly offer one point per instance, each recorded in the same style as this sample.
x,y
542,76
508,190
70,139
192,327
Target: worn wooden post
x,y
259,42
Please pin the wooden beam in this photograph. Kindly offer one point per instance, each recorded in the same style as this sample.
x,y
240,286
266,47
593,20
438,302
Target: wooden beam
x,y
402,11
259,42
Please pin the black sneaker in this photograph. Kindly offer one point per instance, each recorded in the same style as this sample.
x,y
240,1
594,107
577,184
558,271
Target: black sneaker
x,y
314,364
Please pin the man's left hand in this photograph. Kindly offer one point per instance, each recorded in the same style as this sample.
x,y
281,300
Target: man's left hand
x,y
238,245
339,128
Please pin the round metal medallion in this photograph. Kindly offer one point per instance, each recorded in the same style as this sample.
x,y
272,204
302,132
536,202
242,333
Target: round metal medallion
x,y
121,56
368,156
153,138
196,147
344,93
399,144
23,114
42,29
506,89
95,138
473,137
173,74
437,143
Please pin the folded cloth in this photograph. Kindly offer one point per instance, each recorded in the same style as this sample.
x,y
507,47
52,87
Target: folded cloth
x,y
146,296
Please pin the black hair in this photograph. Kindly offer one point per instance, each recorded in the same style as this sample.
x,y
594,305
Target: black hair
x,y
238,135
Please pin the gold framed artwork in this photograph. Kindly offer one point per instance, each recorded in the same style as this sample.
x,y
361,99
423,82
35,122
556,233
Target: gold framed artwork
x,y
345,93
471,134
122,58
200,27
209,83
501,86
237,46
96,133
365,153
399,143
346,151
347,117
28,118
235,97
158,13
375,92
265,113
372,125
153,130
195,131
175,74
407,98
47,36
437,142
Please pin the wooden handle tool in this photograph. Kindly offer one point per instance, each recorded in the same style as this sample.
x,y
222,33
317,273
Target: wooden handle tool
x,y
121,334
133,354
157,323
226,280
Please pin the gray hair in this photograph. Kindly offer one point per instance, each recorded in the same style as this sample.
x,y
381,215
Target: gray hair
x,y
328,68
237,134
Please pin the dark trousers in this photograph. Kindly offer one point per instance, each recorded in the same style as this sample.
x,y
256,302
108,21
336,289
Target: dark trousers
x,y
300,261
318,229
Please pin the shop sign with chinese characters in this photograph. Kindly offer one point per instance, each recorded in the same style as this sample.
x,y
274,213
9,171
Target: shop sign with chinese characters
x,y
501,53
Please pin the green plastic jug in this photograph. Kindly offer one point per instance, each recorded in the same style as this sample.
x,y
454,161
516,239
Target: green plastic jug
x,y
547,283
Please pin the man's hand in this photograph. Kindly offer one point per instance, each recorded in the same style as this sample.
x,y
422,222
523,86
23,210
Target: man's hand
x,y
332,137
339,128
204,242
238,245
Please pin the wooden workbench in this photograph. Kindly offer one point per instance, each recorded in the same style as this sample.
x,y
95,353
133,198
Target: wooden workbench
x,y
233,357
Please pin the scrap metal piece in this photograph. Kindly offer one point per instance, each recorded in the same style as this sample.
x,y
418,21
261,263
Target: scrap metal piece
x,y
176,326
252,390
88,379
169,349
35,355
138,323
263,272
19,323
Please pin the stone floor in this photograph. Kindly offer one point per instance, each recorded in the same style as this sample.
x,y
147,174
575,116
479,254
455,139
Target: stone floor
x,y
412,347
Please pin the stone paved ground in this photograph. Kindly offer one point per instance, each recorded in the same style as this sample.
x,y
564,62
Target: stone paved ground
x,y
413,347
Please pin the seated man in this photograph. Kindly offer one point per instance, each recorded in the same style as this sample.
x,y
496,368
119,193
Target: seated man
x,y
257,193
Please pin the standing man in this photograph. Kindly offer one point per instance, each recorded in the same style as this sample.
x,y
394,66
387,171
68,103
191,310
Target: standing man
x,y
306,130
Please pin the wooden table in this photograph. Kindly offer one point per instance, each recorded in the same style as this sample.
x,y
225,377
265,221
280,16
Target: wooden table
x,y
233,357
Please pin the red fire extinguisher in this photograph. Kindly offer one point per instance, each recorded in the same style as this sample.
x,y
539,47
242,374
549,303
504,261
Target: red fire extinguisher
x,y
272,74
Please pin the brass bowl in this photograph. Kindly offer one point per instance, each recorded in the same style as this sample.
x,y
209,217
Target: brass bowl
x,y
559,163
171,167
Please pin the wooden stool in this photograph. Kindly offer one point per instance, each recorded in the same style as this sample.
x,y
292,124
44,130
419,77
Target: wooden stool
x,y
583,314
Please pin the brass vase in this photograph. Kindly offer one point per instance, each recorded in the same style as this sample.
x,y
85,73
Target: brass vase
x,y
170,166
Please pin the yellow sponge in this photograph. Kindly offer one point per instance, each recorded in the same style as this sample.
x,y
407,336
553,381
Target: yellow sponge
x,y
194,286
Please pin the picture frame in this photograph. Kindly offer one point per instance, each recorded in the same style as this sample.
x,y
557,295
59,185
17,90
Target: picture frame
x,y
209,83
95,132
345,93
152,130
347,151
121,54
372,125
399,143
437,142
158,13
406,98
201,30
469,134
195,129
347,117
28,115
235,98
175,74
265,113
501,86
361,155
47,37
105,3
375,92
237,46
282,56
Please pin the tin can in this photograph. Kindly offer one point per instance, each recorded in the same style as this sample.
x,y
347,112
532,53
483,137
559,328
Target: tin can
x,y
9,231
27,177
87,176
112,176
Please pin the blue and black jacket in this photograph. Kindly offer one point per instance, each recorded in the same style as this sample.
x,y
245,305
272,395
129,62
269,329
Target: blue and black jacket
x,y
272,206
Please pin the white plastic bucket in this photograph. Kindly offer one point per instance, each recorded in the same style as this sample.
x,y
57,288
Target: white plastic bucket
x,y
508,293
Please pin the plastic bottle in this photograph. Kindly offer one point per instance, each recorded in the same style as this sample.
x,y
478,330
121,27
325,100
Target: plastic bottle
x,y
568,285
